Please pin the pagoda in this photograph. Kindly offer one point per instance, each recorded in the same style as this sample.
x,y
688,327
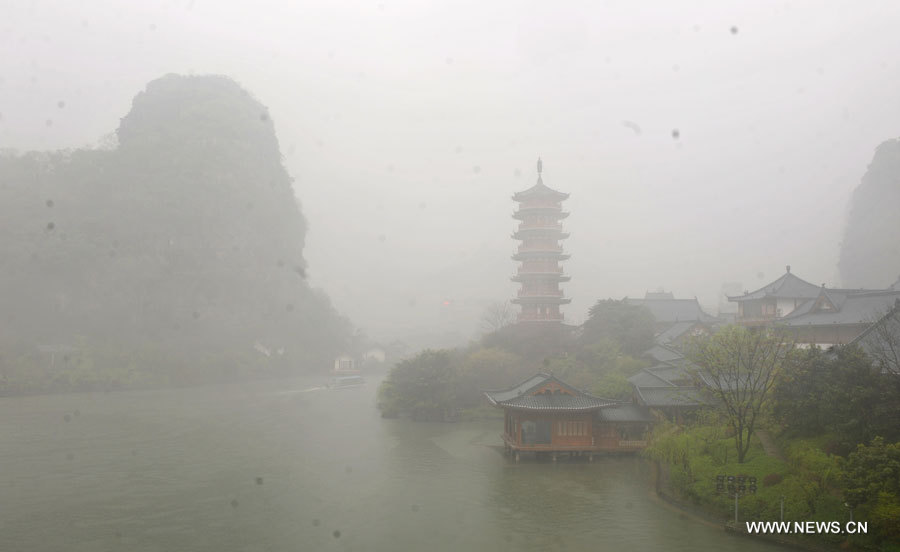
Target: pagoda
x,y
540,231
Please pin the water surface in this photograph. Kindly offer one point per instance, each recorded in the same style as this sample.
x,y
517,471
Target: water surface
x,y
284,466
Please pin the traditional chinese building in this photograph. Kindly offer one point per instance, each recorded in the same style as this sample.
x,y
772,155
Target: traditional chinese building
x,y
545,415
773,301
814,315
676,319
540,231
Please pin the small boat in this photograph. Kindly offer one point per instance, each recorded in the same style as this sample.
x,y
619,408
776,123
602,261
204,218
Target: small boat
x,y
346,382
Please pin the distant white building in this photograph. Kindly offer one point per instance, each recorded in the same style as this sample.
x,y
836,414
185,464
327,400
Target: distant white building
x,y
345,363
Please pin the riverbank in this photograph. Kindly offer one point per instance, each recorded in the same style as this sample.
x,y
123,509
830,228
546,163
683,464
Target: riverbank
x,y
665,492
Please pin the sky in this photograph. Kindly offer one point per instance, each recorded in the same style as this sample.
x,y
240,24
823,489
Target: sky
x,y
701,142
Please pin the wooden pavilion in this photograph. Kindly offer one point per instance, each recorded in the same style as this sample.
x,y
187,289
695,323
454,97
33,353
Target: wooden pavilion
x,y
545,415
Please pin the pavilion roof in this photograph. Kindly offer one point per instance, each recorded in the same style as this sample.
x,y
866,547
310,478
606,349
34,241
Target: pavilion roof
x,y
525,396
787,286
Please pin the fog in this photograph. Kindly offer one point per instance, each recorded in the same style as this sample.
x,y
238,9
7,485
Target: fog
x,y
701,142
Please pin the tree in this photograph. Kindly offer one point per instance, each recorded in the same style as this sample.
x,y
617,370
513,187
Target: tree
x,y
871,470
842,392
486,369
632,326
882,341
497,315
424,386
872,479
738,367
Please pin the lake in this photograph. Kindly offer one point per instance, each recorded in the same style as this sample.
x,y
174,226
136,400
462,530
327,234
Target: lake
x,y
286,465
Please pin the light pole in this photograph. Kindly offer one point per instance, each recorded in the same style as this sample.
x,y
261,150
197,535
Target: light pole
x,y
851,511
736,488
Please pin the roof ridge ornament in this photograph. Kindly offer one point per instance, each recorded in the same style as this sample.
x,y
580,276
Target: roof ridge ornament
x,y
540,169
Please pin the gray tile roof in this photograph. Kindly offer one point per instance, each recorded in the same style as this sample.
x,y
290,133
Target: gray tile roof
x,y
854,307
520,396
661,353
525,386
675,331
787,286
674,310
669,396
557,402
625,413
646,378
663,375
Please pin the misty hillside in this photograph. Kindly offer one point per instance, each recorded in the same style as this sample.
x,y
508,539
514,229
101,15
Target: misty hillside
x,y
182,247
870,253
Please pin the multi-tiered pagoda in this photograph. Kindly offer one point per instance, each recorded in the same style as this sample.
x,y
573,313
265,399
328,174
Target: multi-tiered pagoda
x,y
540,230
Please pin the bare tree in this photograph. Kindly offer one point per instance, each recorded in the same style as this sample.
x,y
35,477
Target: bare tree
x,y
738,366
881,341
497,315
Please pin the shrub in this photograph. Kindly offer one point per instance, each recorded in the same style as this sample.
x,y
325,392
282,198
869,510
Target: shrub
x,y
772,479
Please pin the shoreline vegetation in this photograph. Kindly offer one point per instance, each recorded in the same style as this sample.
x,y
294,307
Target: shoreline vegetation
x,y
829,419
439,385
829,425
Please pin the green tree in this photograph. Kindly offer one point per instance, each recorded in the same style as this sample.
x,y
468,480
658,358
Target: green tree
x,y
738,368
425,386
842,392
872,480
487,369
631,326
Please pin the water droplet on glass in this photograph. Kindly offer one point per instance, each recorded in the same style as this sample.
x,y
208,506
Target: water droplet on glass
x,y
414,508
234,503
259,480
67,418
289,307
676,134
316,522
49,203
60,104
51,226
337,534
734,30
476,169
